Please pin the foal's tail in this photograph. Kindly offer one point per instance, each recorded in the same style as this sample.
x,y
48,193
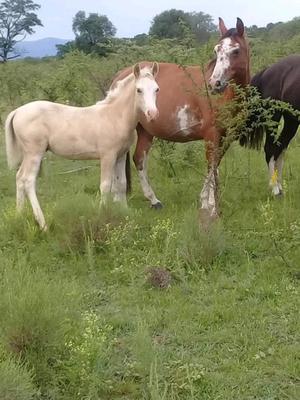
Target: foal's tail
x,y
14,152
128,173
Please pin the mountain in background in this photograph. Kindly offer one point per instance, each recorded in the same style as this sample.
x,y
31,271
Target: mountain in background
x,y
39,48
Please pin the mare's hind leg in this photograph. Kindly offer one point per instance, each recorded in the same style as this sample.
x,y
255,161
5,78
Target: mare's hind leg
x,y
274,150
26,183
140,159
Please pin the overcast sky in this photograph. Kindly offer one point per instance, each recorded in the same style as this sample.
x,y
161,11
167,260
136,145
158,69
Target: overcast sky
x,y
132,17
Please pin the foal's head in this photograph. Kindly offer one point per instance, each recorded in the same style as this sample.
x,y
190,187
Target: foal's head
x,y
146,90
232,57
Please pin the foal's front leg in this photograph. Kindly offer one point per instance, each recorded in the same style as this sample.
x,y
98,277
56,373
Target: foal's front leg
x,y
107,172
119,181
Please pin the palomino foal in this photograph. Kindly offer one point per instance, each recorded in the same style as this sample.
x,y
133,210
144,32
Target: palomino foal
x,y
187,113
103,131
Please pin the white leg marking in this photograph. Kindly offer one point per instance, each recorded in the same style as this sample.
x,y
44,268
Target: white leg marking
x,y
273,174
147,189
208,193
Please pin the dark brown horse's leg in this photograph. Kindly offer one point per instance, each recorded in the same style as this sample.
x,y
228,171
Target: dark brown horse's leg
x,y
275,152
140,158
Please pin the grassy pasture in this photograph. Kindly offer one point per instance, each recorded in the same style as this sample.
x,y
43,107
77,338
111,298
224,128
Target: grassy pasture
x,y
138,304
82,316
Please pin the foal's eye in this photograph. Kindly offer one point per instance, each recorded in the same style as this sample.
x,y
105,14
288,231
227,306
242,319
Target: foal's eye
x,y
139,90
157,90
236,52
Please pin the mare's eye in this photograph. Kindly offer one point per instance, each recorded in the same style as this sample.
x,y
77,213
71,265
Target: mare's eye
x,y
236,52
139,90
157,90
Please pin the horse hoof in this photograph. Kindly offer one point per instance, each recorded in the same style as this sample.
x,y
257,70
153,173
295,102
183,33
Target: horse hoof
x,y
279,195
207,218
157,206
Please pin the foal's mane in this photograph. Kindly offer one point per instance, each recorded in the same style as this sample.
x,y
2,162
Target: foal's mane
x,y
114,92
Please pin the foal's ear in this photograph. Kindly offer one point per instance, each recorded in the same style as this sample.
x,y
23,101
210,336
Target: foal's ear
x,y
222,27
240,27
155,69
137,70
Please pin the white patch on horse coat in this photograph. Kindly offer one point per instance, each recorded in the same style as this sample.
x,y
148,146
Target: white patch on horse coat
x,y
186,120
223,51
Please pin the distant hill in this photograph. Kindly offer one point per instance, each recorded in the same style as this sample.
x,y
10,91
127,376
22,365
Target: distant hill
x,y
39,48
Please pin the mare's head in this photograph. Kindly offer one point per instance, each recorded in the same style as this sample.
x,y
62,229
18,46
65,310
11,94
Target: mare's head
x,y
232,57
146,90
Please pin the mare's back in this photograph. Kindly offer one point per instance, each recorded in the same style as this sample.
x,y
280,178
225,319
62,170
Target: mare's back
x,y
281,81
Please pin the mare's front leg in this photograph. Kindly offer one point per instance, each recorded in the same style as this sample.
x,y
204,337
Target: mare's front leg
x,y
140,159
209,197
107,173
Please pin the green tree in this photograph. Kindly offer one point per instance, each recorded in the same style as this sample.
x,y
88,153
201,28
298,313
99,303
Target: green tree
x,y
201,25
177,24
93,33
17,19
168,24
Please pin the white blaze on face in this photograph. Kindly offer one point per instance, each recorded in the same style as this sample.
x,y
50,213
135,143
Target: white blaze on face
x,y
147,90
223,51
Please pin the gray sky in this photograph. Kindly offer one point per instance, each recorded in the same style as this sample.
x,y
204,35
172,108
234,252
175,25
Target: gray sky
x,y
131,17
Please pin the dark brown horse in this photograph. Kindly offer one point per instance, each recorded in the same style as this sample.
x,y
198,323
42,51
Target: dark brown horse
x,y
187,112
280,81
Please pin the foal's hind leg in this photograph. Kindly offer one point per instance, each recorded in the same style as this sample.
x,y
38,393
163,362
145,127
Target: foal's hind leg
x,y
140,159
26,183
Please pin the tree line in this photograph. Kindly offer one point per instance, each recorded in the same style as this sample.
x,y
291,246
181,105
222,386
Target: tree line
x,y
95,33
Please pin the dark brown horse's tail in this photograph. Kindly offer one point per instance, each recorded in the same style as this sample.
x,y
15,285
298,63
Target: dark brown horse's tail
x,y
128,173
253,138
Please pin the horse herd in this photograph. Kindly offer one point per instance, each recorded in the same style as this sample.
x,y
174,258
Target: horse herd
x,y
153,100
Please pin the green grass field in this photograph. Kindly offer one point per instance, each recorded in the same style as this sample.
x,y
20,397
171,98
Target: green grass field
x,y
82,313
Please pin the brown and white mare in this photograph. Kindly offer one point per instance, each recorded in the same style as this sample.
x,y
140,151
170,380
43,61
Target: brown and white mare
x,y
104,131
187,112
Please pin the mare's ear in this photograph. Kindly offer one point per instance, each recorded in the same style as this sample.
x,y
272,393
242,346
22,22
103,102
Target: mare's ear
x,y
240,27
222,27
137,70
155,69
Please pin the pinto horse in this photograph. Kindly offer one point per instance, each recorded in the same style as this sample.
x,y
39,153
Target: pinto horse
x,y
187,112
104,132
280,81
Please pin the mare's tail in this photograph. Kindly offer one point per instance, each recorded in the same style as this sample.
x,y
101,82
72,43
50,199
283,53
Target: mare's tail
x,y
14,152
